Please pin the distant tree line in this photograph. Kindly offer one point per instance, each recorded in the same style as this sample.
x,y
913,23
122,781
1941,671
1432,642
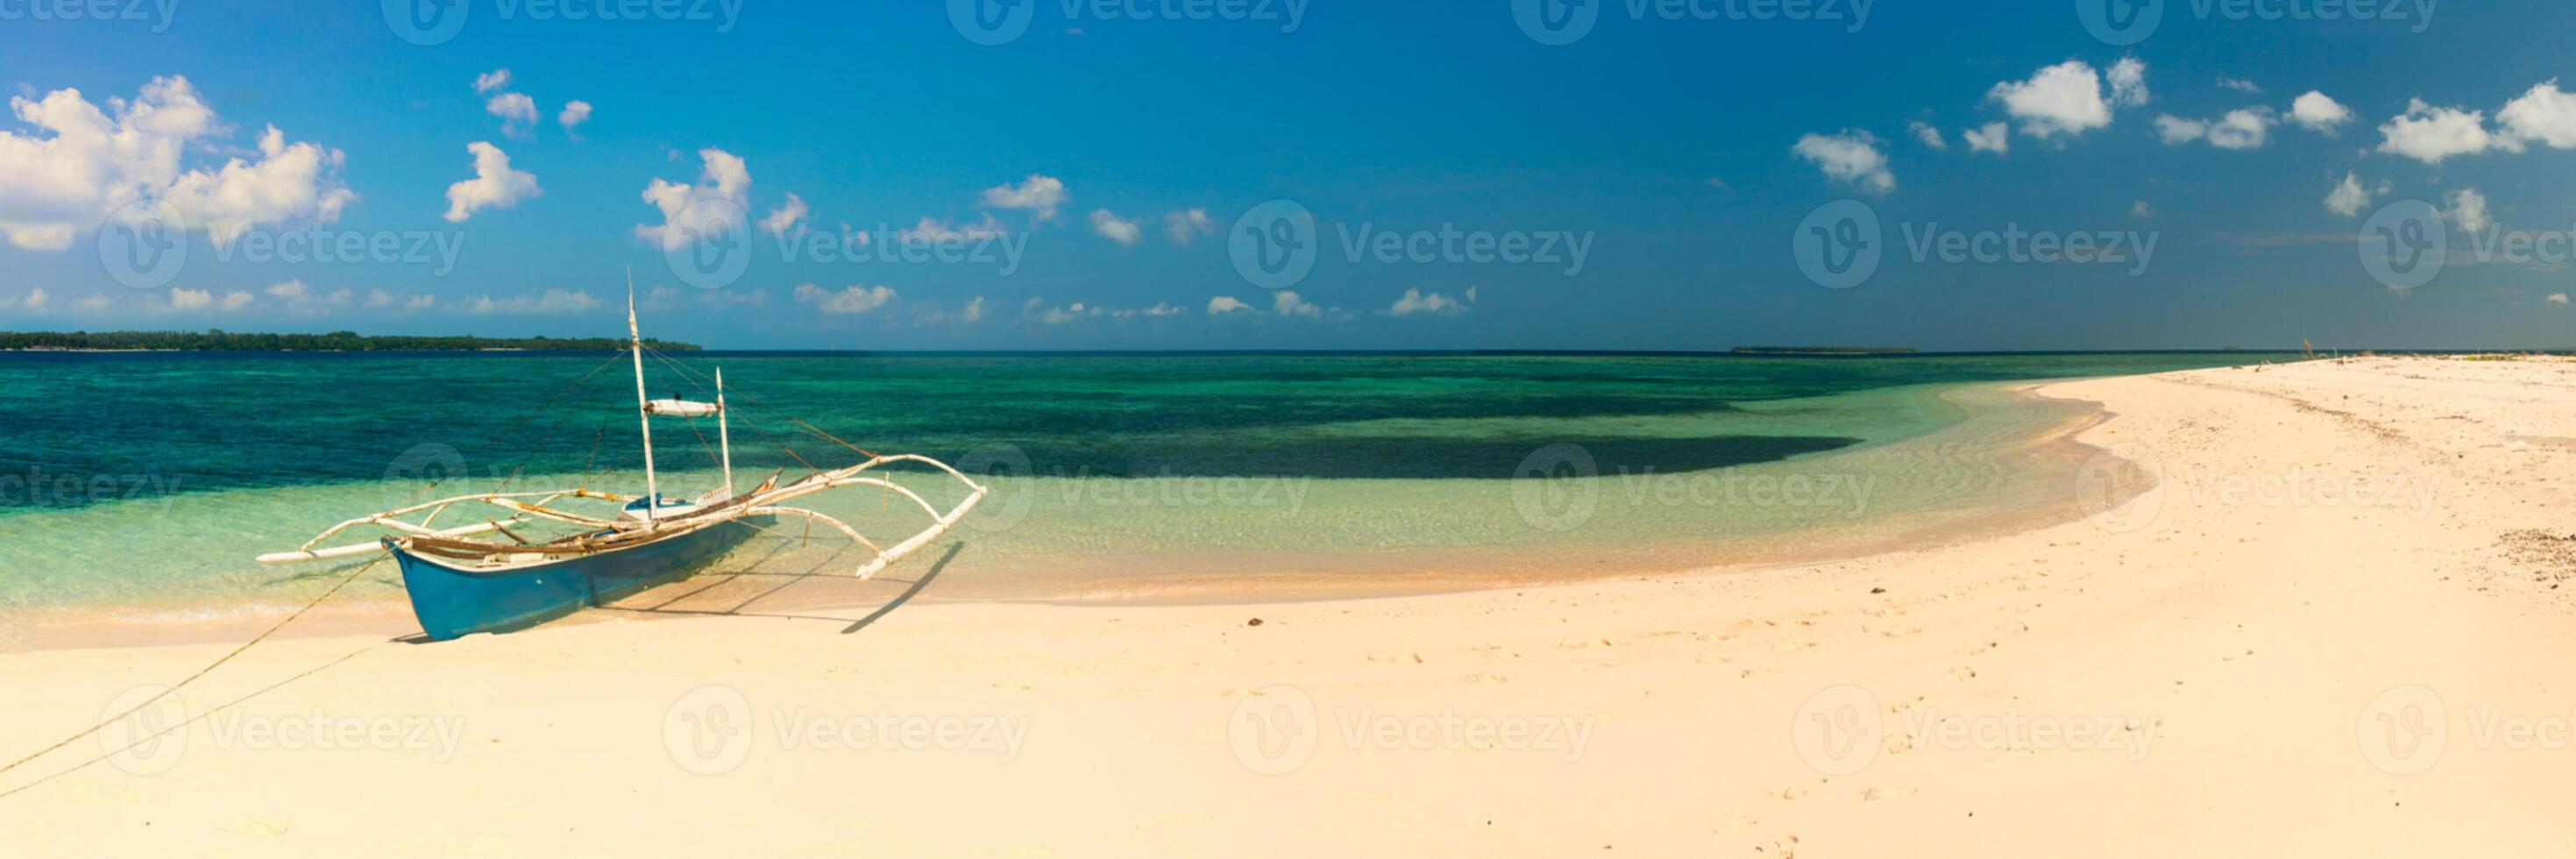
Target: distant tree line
x,y
218,340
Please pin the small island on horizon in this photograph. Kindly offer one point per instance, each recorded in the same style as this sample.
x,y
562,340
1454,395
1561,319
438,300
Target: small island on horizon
x,y
218,340
1823,350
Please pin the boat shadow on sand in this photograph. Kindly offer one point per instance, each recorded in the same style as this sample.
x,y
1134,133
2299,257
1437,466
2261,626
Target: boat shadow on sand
x,y
731,588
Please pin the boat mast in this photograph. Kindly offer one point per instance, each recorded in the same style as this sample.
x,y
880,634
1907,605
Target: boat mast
x,y
643,406
724,432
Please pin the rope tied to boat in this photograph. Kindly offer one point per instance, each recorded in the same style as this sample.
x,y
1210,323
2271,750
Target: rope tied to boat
x,y
174,687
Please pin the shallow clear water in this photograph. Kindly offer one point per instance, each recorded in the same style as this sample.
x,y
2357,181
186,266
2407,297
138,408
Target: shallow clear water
x,y
147,481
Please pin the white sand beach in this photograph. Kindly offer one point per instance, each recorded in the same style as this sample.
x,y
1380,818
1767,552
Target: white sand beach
x,y
2333,627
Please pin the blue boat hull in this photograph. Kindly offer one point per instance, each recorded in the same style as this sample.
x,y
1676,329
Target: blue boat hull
x,y
452,603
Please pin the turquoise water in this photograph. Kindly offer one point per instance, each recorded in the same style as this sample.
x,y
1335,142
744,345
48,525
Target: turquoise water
x,y
147,481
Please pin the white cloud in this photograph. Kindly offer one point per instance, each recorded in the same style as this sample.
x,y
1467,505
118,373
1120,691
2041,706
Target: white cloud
x,y
973,311
1287,303
36,300
1851,157
517,112
191,299
491,80
1188,224
1993,137
2141,209
2558,298
2128,79
552,301
2318,113
2239,129
93,303
494,185
2543,114
1930,136
786,216
2430,134
2349,197
575,112
1079,311
2177,130
81,163
235,300
1040,195
2238,84
850,300
2068,98
1416,301
724,185
1109,226
2469,210
940,231
293,290
1225,304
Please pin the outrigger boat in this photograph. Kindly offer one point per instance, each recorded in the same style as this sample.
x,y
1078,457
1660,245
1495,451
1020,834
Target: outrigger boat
x,y
460,586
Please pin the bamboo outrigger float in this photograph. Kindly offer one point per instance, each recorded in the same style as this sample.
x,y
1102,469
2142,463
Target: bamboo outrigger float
x,y
460,586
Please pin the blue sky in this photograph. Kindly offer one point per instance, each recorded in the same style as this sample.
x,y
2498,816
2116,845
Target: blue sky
x,y
1667,151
